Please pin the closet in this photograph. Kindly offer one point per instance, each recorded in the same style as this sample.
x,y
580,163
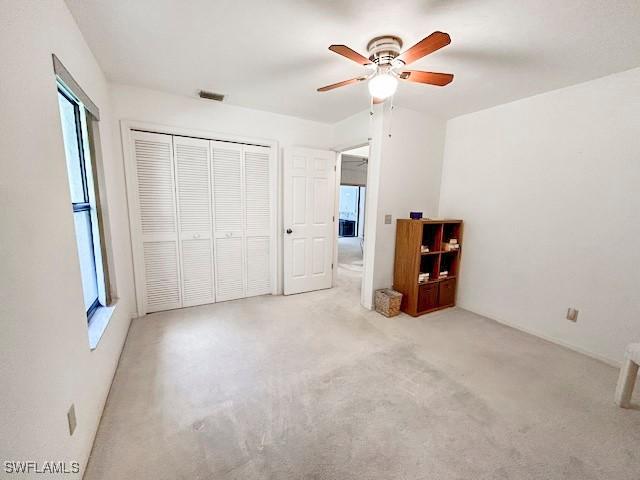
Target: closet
x,y
201,220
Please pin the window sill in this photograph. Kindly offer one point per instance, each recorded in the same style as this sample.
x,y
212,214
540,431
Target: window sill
x,y
98,324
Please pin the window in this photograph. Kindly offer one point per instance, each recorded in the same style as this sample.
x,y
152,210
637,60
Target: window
x,y
73,116
349,210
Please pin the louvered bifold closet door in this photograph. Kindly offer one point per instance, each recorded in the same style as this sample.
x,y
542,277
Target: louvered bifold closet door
x,y
257,189
158,223
193,190
228,201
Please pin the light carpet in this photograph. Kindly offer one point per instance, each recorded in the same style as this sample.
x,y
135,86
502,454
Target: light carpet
x,y
313,386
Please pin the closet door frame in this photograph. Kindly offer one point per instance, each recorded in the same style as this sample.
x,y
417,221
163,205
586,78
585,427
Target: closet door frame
x,y
126,132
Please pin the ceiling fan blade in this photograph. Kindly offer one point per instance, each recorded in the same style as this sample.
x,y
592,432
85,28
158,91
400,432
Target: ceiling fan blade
x,y
439,79
341,84
424,47
377,100
350,54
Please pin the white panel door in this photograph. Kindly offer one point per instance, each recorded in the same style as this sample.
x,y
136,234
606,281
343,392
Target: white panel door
x,y
309,194
228,201
257,188
156,202
193,190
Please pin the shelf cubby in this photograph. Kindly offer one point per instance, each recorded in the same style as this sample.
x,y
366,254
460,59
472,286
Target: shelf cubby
x,y
449,262
432,236
450,231
429,264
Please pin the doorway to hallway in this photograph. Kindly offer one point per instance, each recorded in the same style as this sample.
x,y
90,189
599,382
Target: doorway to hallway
x,y
351,215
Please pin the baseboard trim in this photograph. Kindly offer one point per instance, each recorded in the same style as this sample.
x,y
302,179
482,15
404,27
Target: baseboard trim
x,y
609,361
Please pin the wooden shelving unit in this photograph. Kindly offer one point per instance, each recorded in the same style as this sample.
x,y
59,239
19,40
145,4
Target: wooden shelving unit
x,y
410,261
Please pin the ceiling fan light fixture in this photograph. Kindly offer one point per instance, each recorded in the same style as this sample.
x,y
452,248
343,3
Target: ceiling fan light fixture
x,y
383,85
386,64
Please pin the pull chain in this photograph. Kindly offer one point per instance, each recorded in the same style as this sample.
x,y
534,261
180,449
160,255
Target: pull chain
x,y
370,117
390,115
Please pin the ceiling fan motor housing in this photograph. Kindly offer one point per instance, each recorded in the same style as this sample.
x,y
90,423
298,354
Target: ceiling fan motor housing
x,y
382,50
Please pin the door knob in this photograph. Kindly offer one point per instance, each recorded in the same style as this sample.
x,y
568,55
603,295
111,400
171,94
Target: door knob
x,y
289,231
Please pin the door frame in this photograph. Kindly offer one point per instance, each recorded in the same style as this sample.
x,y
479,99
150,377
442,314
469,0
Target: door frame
x,y
135,233
337,215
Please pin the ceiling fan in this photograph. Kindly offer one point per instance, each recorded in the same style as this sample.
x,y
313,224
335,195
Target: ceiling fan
x,y
359,161
386,64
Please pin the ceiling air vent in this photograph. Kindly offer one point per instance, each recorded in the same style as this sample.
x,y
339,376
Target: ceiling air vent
x,y
211,95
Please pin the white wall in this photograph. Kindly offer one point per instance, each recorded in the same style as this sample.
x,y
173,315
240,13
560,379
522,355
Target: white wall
x,y
353,131
548,189
404,175
45,361
131,103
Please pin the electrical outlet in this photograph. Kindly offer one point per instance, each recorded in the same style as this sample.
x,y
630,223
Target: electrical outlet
x,y
71,418
387,219
572,315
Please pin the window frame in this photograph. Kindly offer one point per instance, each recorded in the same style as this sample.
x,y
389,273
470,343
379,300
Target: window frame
x,y
88,204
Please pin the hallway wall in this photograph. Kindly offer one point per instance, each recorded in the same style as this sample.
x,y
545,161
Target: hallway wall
x,y
405,165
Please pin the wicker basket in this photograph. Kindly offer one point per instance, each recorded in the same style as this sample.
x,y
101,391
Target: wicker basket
x,y
388,302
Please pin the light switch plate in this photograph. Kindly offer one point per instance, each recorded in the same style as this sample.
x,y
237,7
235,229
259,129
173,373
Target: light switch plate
x,y
572,315
71,418
387,219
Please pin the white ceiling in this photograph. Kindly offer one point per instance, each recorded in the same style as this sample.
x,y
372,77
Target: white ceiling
x,y
272,54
